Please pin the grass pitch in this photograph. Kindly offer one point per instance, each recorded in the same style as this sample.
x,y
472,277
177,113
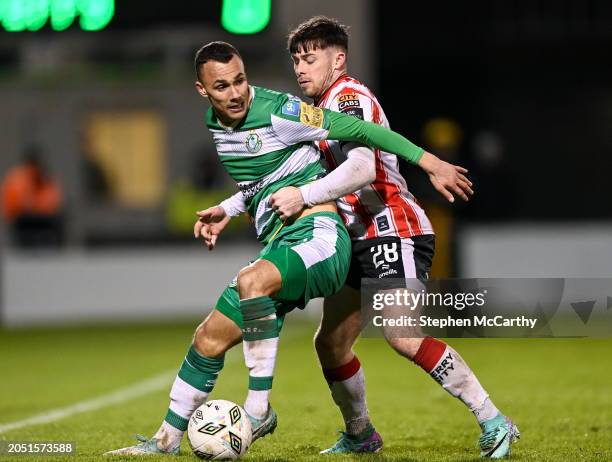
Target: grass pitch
x,y
557,390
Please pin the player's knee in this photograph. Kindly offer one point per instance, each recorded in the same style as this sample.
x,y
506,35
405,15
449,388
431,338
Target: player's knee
x,y
332,348
251,283
209,345
406,347
248,283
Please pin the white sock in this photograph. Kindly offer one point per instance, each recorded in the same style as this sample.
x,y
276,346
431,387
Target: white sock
x,y
168,437
195,380
260,345
347,386
449,369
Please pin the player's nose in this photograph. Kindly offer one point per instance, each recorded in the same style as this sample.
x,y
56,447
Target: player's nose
x,y
235,93
298,68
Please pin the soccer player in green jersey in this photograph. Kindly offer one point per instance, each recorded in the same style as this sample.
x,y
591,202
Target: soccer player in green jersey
x,y
265,141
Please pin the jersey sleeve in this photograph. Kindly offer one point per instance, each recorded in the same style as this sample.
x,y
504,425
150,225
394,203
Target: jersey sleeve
x,y
234,205
353,103
346,128
297,122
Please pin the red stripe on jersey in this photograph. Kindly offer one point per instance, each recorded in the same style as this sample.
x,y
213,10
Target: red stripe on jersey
x,y
364,216
386,193
329,157
404,216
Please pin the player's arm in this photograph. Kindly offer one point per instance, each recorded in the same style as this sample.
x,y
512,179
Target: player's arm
x,y
346,128
448,179
357,171
297,122
212,221
307,123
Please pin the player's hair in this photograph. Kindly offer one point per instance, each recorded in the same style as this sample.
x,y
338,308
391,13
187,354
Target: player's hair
x,y
318,32
221,52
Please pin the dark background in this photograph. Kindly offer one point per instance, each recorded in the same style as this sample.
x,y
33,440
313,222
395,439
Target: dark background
x,y
539,73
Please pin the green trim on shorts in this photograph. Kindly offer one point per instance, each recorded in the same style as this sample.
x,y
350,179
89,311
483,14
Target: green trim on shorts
x,y
229,305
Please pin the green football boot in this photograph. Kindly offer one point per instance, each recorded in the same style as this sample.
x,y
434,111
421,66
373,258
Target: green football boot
x,y
145,447
497,436
368,441
261,427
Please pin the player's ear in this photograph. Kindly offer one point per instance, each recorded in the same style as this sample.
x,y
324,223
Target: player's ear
x,y
200,88
340,60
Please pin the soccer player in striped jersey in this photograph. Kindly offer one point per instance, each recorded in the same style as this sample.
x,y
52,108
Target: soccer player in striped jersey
x,y
265,141
392,238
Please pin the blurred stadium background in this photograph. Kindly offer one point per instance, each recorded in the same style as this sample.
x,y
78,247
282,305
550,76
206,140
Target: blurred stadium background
x,y
102,104
518,91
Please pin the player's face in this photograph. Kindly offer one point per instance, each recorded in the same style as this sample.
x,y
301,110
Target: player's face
x,y
227,88
315,69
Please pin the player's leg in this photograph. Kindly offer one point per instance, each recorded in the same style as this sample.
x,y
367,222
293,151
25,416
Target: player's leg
x,y
447,367
197,375
308,259
340,327
260,330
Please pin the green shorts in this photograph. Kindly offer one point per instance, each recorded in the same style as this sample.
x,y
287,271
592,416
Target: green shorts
x,y
313,256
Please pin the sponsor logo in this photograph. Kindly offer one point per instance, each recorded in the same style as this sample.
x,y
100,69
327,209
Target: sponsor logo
x,y
311,116
389,272
291,107
253,142
354,111
348,97
382,223
443,369
250,189
348,104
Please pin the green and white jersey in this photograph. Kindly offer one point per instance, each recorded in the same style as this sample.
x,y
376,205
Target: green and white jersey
x,y
270,148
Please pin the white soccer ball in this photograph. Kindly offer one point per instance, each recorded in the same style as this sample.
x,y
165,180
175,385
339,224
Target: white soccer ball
x,y
219,430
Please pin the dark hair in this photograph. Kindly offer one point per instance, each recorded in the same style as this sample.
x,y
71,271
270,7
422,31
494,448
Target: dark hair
x,y
221,52
318,32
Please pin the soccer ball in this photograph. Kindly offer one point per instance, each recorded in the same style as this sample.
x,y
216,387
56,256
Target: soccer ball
x,y
219,430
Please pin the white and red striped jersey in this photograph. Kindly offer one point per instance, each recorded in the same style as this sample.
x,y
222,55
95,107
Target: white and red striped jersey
x,y
384,207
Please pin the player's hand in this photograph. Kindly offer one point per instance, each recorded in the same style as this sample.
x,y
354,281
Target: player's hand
x,y
287,202
210,224
448,179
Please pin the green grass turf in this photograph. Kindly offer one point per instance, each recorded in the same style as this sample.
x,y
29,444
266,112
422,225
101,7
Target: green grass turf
x,y
557,390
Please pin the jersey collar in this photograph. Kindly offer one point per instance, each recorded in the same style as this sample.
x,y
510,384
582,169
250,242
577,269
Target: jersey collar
x,y
330,88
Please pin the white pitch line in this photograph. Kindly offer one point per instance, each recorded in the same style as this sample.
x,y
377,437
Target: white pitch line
x,y
155,383
150,385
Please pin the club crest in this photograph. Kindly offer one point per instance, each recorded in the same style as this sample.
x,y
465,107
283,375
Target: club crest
x,y
253,143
